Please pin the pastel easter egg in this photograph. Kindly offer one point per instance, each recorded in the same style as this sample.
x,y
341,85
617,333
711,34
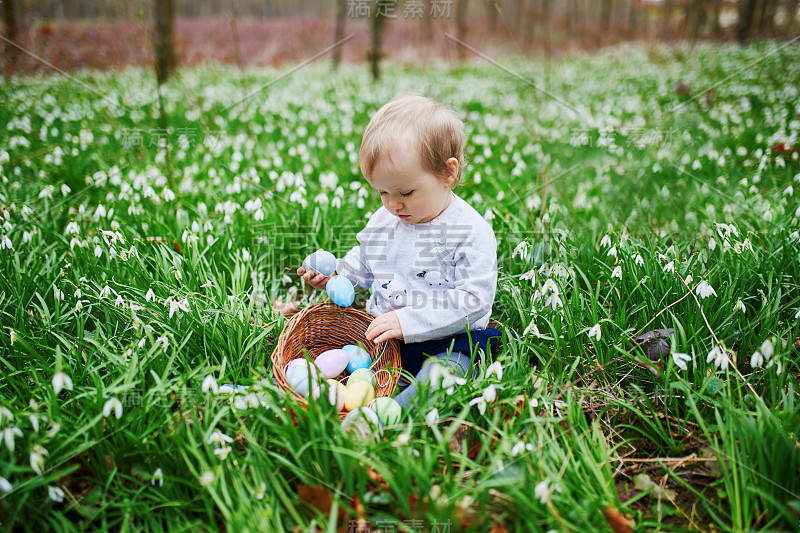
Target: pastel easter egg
x,y
336,394
331,363
362,374
359,357
358,394
321,262
341,291
362,423
303,378
389,411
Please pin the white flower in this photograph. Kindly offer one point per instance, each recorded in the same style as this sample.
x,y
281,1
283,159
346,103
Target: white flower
x,y
521,248
788,191
55,494
158,477
8,436
518,449
72,229
115,404
719,355
402,439
432,417
605,241
638,260
207,284
105,292
57,293
612,251
6,243
223,452
78,293
65,190
680,359
217,437
5,413
47,192
206,479
594,331
554,300
262,489
689,279
5,486
670,267
98,251
532,327
530,274
797,314
549,285
495,368
164,341
245,256
543,490
79,306
480,401
739,306
767,348
13,335
210,383
38,454
704,290
756,360
183,305
777,362
168,194
617,273
490,394
61,381
120,301
150,295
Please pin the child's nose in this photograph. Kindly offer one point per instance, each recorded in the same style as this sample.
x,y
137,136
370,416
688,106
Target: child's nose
x,y
396,205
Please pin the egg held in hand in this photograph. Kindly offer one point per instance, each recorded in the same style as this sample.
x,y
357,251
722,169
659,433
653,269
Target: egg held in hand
x,y
320,262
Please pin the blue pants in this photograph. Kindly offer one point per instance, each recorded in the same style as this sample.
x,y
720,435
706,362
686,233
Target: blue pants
x,y
458,363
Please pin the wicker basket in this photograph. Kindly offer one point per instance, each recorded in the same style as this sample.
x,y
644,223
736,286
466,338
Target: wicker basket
x,y
321,327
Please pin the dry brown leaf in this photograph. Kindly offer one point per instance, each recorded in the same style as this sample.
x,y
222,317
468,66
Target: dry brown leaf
x,y
317,497
616,521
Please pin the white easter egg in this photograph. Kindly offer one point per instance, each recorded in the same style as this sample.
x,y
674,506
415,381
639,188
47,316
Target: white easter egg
x,y
362,422
303,378
321,262
331,363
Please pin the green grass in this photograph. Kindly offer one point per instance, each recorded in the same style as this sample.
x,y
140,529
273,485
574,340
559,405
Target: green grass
x,y
607,147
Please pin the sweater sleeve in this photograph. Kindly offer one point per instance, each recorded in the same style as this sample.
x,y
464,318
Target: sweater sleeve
x,y
355,265
447,312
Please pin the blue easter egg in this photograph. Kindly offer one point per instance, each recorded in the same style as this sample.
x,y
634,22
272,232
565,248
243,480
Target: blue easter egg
x,y
359,358
321,262
341,291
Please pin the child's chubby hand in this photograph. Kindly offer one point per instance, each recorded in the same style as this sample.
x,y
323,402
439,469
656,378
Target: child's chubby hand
x,y
384,327
318,281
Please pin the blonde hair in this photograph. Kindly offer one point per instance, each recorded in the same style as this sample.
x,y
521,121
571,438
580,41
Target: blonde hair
x,y
436,132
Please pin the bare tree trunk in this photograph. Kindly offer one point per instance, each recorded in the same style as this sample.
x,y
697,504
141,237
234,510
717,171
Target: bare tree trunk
x,y
461,25
375,52
694,16
10,19
715,26
341,18
746,14
546,26
794,21
427,19
766,20
605,14
633,18
491,15
667,16
164,11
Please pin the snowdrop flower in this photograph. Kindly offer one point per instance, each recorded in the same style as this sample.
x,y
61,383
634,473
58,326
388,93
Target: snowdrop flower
x,y
158,477
168,194
208,283
245,256
210,383
72,229
98,251
612,251
57,293
115,404
532,328
530,274
680,360
38,453
638,260
8,436
5,413
13,335
65,190
262,489
689,279
34,420
47,192
788,191
223,452
553,300
719,355
163,340
670,267
490,394
120,301
150,295
432,417
480,401
55,494
183,305
549,285
79,306
402,439
61,381
704,290
617,273
6,243
739,306
543,490
518,449
797,314
217,437
522,248
605,241
207,478
495,368
775,361
594,331
757,359
712,244
5,486
105,292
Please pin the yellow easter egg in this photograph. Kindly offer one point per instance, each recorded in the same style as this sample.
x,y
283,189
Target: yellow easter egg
x,y
358,394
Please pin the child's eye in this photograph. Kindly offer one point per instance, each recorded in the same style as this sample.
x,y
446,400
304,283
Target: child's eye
x,y
406,193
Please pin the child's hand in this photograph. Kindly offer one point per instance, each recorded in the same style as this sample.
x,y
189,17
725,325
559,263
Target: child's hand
x,y
384,327
318,281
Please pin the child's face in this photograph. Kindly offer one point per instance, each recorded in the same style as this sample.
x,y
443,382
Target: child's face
x,y
410,192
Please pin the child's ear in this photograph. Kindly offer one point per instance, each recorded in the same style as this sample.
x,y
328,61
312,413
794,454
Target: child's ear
x,y
452,170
